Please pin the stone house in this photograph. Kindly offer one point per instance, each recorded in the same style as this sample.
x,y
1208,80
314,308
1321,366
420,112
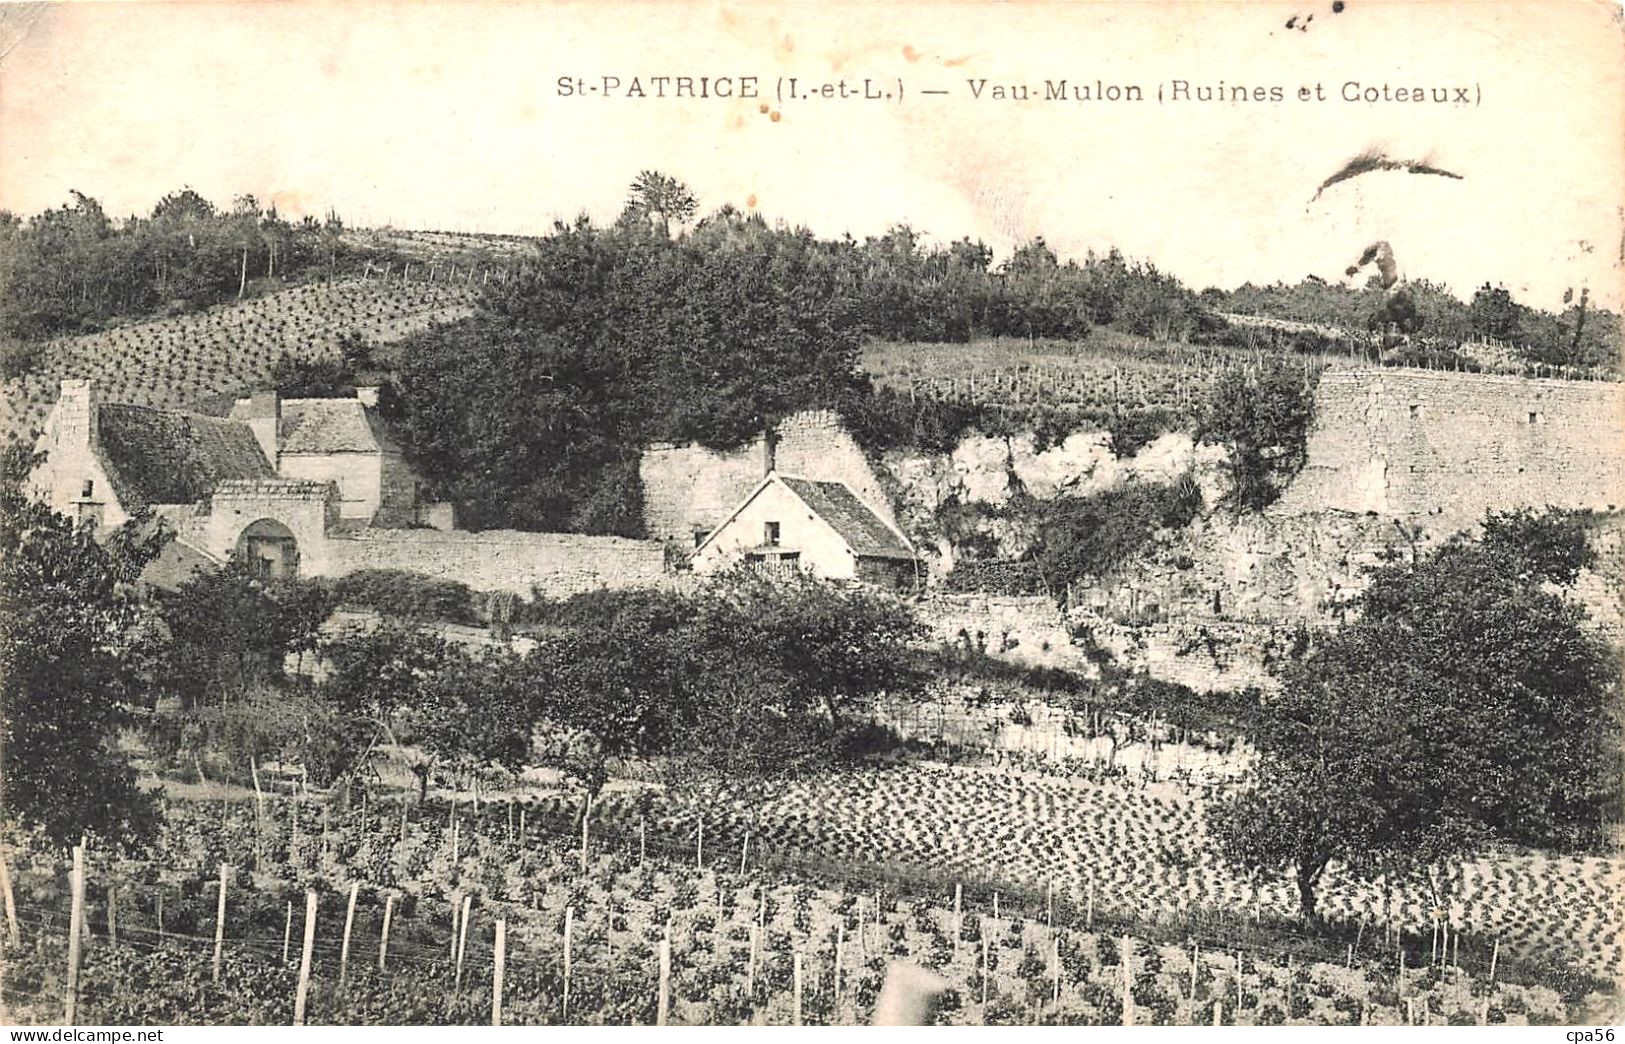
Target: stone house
x,y
819,527
105,462
310,487
340,441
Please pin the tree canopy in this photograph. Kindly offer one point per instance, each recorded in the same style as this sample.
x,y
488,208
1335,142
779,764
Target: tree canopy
x,y
73,639
1469,703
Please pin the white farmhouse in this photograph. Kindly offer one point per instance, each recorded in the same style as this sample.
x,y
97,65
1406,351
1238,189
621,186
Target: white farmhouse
x,y
821,528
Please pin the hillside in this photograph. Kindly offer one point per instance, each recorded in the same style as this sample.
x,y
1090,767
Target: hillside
x,y
1109,371
187,361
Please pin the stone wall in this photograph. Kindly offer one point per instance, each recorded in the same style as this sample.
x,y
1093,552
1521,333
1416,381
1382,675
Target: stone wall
x,y
1029,630
1451,445
557,564
308,510
689,489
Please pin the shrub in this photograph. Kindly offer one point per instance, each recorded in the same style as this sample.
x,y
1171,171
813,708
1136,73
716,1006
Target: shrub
x,y
1132,431
412,596
1090,537
1264,418
20,358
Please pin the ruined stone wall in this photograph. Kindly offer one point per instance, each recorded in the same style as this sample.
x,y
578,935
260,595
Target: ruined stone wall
x,y
689,489
1023,629
557,564
1452,445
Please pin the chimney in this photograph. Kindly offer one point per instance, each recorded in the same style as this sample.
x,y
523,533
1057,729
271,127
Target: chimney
x,y
770,451
368,394
264,418
76,412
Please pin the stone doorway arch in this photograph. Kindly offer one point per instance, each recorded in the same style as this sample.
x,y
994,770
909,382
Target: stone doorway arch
x,y
269,548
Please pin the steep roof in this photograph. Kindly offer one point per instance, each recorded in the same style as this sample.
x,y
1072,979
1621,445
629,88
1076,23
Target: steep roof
x,y
327,426
157,456
865,532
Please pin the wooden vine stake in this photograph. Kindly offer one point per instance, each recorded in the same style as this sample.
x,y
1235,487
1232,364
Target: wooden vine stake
x,y
1055,971
76,918
1128,980
744,852
499,967
586,813
796,987
383,938
13,935
750,970
840,946
349,922
569,933
302,992
1196,957
699,846
984,972
462,942
220,923
456,908
1218,1013
287,931
112,916
663,998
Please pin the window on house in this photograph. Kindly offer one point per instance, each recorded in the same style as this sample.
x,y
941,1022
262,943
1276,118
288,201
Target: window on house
x,y
89,489
1535,417
1416,409
770,534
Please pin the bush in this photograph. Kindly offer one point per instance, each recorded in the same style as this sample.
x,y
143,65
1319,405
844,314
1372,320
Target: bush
x,y
1134,430
1008,578
1090,537
20,358
408,595
1264,418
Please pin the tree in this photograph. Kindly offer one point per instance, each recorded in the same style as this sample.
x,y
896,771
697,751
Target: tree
x,y
375,676
661,200
1493,313
469,712
1469,703
70,629
612,683
1264,417
232,629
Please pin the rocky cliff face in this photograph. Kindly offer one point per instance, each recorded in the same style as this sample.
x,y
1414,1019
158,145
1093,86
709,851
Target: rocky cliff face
x,y
995,472
1398,460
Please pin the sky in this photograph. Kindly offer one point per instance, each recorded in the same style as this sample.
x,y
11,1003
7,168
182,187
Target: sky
x,y
449,116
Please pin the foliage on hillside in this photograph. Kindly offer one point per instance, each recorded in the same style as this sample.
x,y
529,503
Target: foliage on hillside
x,y
739,679
1468,704
73,269
1577,334
532,414
1086,538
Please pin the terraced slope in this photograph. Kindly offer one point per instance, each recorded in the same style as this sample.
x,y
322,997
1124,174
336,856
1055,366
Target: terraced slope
x,y
181,362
